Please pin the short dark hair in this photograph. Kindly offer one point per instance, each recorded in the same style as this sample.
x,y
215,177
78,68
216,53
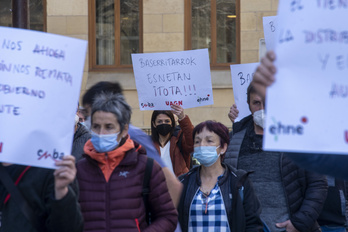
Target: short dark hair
x,y
154,133
115,104
102,86
250,90
216,127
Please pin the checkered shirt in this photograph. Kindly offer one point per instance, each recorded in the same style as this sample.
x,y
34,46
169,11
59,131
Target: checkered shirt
x,y
208,214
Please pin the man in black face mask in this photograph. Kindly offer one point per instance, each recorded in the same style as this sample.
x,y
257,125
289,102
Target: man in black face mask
x,y
175,144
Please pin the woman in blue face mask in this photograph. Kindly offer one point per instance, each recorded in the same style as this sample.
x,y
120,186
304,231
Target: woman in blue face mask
x,y
216,197
111,176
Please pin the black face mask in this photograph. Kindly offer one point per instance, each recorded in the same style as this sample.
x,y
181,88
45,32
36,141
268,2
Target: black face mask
x,y
163,129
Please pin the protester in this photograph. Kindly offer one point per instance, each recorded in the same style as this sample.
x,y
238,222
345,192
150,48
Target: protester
x,y
279,184
173,143
81,135
111,175
81,114
329,164
333,215
52,202
88,97
135,133
216,197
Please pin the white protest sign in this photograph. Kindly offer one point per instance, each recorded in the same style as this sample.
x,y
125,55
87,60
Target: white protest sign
x,y
307,105
242,75
40,79
269,30
182,78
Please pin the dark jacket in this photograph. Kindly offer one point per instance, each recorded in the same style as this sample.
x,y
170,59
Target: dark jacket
x,y
117,205
305,192
81,136
37,187
328,164
243,215
181,160
334,210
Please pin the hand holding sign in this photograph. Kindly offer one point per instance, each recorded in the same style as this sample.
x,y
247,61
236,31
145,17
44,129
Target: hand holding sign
x,y
311,72
64,175
178,111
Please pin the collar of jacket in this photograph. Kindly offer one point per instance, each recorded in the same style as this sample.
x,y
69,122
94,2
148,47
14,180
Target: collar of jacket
x,y
242,124
221,180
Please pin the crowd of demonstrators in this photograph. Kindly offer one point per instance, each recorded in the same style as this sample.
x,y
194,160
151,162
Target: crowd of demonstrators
x,y
291,198
216,196
237,186
111,175
40,199
174,143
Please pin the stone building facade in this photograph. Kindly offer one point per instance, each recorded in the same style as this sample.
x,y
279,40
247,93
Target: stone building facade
x,y
163,31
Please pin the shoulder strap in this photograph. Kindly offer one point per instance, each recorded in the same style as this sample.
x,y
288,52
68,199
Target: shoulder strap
x,y
18,198
146,188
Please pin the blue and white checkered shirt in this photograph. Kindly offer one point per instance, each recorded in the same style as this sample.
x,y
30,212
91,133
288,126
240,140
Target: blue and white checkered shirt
x,y
208,213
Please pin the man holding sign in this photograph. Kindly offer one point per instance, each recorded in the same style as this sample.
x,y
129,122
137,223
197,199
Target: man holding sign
x,y
333,216
278,182
328,164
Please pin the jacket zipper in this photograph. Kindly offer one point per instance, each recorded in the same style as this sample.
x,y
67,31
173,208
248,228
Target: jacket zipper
x,y
228,223
137,223
281,178
107,197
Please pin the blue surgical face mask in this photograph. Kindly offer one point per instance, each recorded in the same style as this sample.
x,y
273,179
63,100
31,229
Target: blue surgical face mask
x,y
206,155
104,143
